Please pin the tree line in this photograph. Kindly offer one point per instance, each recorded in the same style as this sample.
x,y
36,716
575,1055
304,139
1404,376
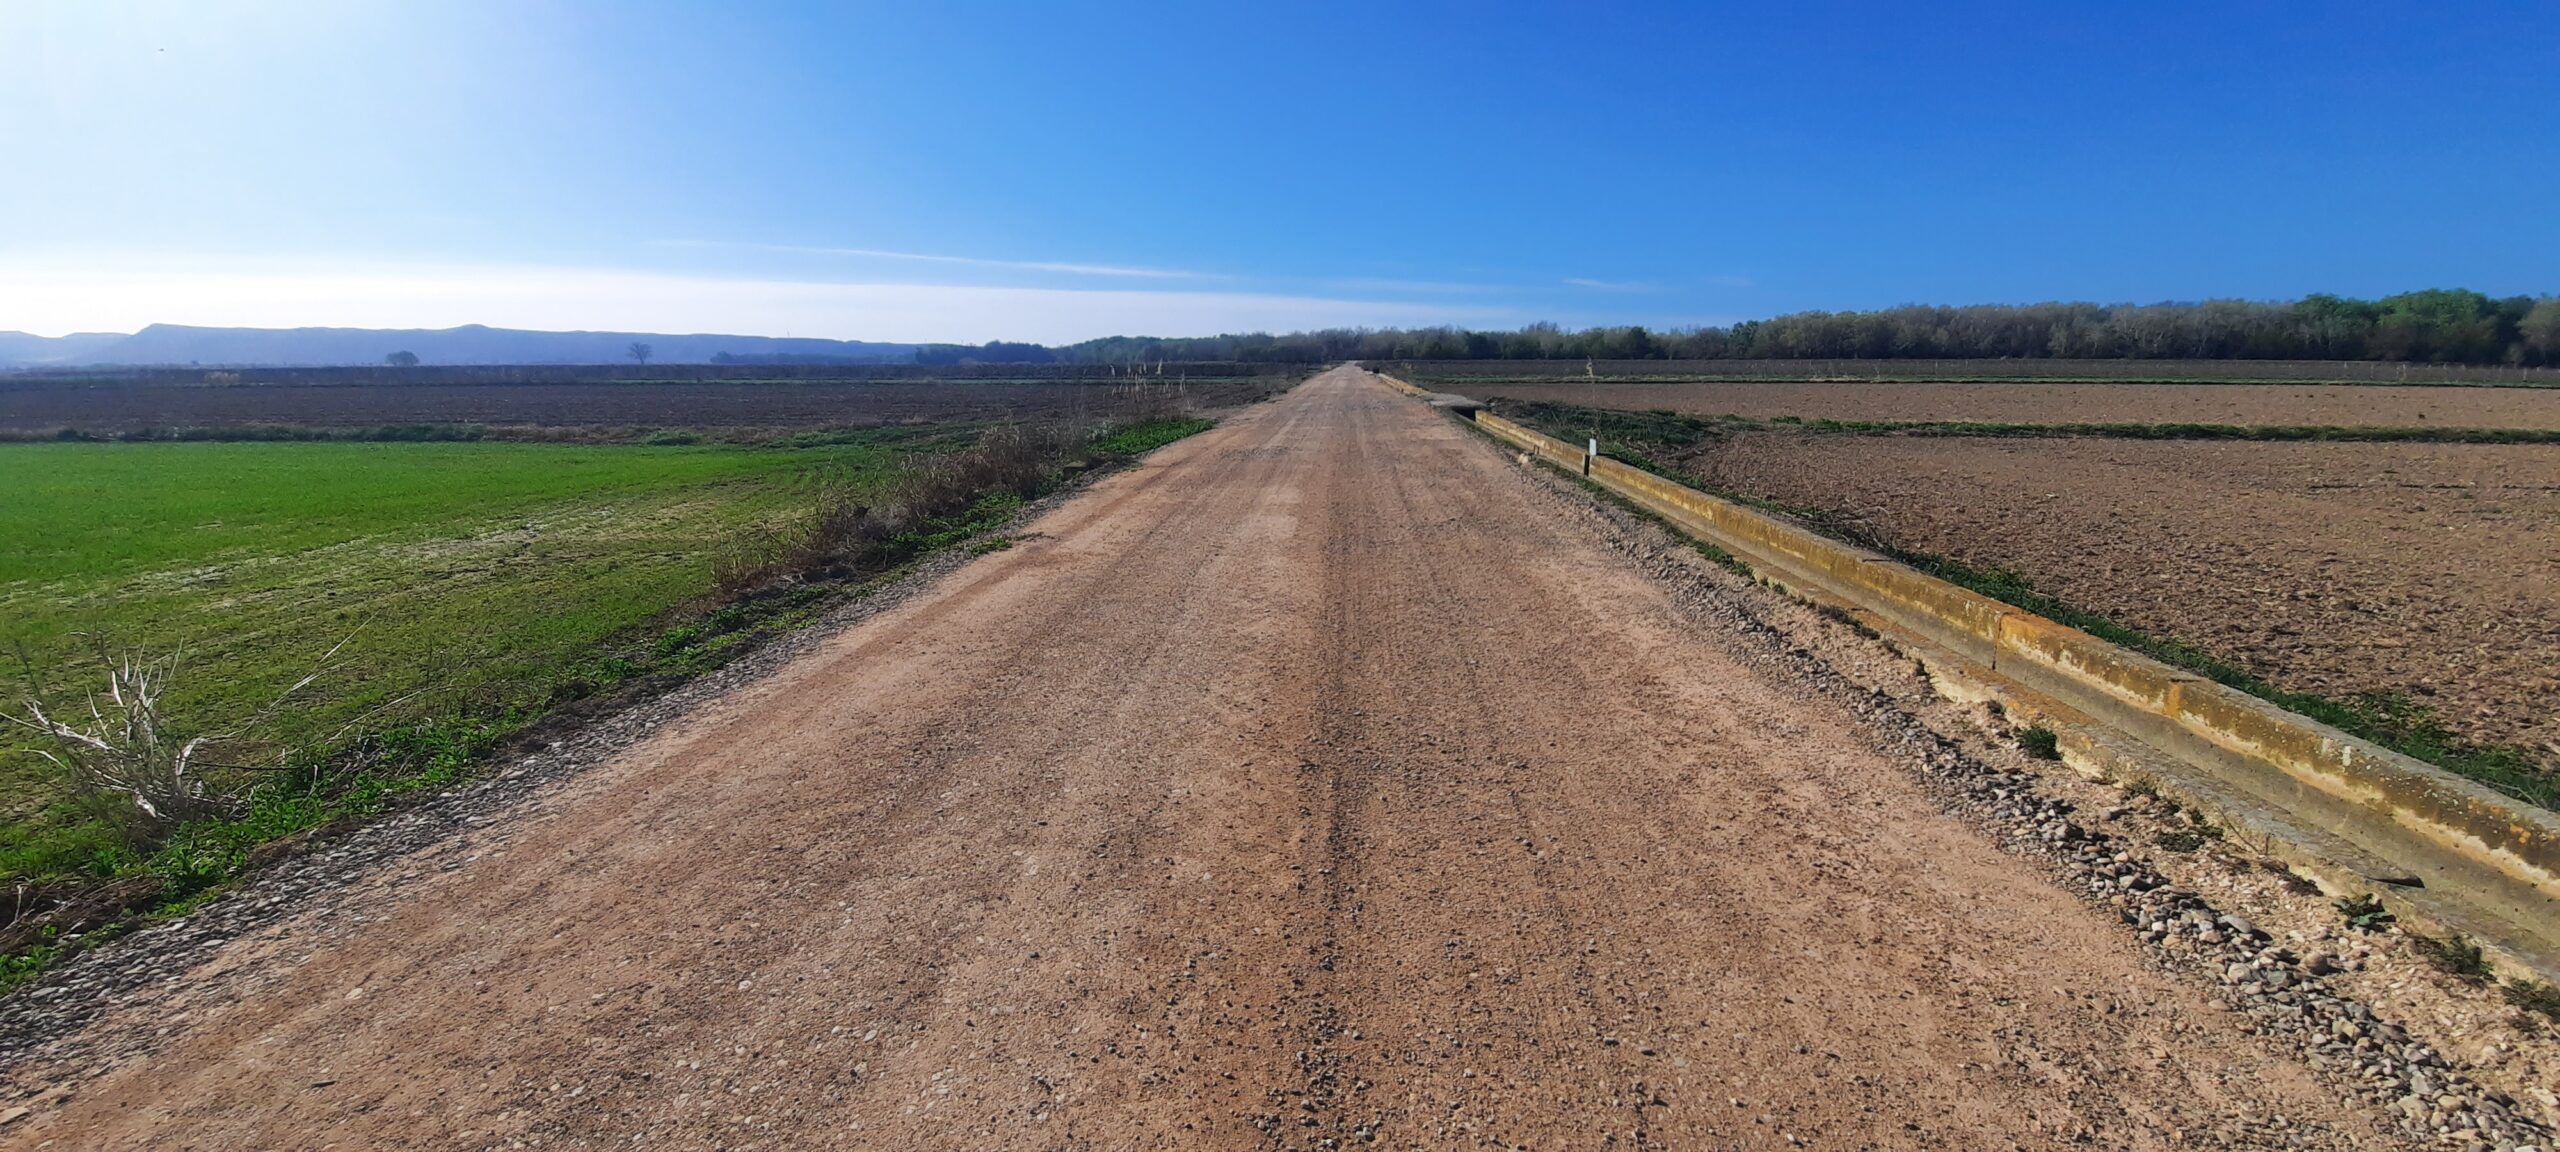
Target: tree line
x,y
2435,326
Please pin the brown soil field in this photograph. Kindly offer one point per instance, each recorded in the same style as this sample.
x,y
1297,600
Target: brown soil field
x,y
2431,570
106,409
1915,368
2066,403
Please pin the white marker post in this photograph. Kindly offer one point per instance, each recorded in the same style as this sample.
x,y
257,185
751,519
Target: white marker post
x,y
1590,454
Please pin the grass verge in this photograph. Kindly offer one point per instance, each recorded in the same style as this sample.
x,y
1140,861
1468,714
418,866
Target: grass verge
x,y
1149,436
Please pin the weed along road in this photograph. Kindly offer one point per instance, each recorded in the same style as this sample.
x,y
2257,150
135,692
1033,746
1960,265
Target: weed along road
x,y
1322,782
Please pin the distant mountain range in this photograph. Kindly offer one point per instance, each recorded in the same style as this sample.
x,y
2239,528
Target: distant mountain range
x,y
18,348
179,344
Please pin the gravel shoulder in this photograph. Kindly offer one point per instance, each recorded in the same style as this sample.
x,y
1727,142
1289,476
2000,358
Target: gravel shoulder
x,y
1325,779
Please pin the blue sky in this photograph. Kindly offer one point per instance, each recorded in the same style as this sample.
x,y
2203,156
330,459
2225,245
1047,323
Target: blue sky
x,y
967,171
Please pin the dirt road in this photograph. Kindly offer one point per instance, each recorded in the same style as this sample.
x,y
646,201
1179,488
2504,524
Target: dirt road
x,y
1316,783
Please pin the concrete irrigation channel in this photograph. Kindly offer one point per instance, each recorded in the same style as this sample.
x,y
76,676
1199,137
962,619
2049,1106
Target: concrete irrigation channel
x,y
1330,780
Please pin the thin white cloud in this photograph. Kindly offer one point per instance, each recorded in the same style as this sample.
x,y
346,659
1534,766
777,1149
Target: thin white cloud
x,y
1390,284
123,295
1120,270
1608,285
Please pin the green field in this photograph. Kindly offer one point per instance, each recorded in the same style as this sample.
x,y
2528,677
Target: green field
x,y
464,577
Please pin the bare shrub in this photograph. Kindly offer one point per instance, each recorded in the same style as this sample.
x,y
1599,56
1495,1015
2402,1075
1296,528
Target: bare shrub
x,y
1016,458
128,762
122,759
1141,403
855,528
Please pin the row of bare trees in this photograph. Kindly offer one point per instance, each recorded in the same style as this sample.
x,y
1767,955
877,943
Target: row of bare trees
x,y
2434,326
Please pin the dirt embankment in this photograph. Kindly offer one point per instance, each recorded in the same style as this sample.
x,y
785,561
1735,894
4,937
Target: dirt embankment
x,y
2427,570
1317,783
2299,405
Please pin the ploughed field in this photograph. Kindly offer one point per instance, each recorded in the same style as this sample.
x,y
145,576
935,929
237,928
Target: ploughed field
x,y
2413,583
33,407
1457,372
2034,402
2429,571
